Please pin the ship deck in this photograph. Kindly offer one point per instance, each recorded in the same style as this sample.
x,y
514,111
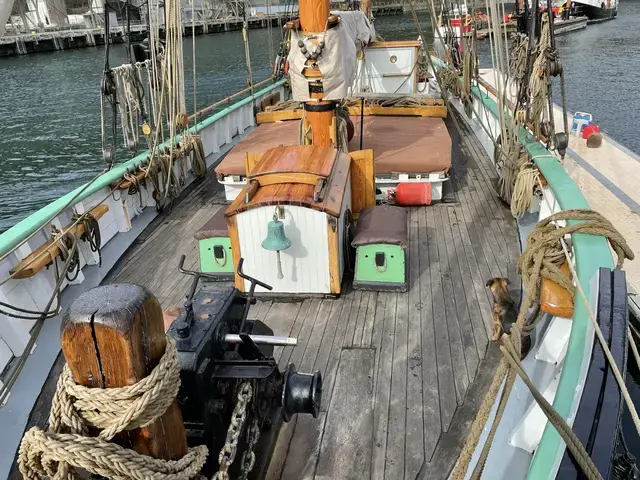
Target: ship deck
x,y
403,372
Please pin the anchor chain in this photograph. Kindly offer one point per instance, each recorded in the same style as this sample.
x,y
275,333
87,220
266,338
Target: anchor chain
x,y
230,448
249,456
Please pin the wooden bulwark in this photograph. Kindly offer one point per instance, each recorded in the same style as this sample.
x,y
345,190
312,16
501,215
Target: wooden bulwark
x,y
45,254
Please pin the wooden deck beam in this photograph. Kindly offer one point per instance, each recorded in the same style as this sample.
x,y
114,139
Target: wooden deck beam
x,y
438,111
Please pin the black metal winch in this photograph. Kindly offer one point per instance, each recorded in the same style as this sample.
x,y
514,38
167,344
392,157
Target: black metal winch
x,y
228,371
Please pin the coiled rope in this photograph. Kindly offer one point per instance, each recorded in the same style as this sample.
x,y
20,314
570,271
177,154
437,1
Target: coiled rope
x,y
523,189
76,409
541,259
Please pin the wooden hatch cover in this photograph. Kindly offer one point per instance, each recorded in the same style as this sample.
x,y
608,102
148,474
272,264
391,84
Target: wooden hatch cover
x,y
305,175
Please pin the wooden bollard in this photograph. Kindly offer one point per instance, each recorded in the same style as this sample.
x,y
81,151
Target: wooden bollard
x,y
113,336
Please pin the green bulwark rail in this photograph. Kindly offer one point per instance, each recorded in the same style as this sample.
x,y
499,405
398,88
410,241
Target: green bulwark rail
x,y
16,234
590,252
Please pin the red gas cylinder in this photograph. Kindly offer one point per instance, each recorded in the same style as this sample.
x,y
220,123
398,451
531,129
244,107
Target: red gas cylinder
x,y
590,129
418,193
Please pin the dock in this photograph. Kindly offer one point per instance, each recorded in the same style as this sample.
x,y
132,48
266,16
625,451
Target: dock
x,y
80,36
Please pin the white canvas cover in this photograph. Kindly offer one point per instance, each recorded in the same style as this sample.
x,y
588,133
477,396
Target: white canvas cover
x,y
338,60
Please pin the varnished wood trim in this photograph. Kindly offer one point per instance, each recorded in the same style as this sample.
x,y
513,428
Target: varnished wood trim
x,y
251,160
232,228
272,117
395,44
333,238
363,187
45,254
273,178
438,111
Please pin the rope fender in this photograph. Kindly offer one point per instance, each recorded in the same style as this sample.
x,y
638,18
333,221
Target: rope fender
x,y
76,408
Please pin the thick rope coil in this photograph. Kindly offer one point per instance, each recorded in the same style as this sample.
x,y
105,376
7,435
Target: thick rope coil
x,y
541,259
523,189
76,408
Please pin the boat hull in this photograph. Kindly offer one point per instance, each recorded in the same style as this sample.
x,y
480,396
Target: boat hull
x,y
598,13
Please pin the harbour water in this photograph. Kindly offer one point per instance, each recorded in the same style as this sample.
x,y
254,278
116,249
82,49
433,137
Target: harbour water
x,y
50,111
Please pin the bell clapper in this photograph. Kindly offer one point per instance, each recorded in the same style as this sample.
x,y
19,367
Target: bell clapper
x,y
280,275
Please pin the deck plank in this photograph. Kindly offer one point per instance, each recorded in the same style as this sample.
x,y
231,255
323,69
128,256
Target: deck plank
x,y
464,324
346,444
414,450
477,302
451,331
339,341
302,457
394,464
367,332
280,319
301,318
362,318
383,389
328,340
429,364
446,386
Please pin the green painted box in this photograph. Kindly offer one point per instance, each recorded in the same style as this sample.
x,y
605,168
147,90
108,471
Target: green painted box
x,y
214,247
381,249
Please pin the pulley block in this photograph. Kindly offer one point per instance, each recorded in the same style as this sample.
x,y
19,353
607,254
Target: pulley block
x,y
302,393
109,155
561,141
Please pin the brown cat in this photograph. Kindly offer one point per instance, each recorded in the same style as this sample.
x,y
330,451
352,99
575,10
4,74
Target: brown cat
x,y
505,312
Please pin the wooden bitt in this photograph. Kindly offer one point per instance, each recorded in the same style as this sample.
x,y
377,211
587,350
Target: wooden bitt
x,y
47,252
113,336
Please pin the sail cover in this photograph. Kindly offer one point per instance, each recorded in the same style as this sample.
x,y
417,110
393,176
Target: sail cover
x,y
338,60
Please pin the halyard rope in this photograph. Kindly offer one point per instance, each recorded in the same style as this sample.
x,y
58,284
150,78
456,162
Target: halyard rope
x,y
541,259
76,408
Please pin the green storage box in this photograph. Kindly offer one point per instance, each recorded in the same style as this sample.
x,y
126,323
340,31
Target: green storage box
x,y
381,249
214,247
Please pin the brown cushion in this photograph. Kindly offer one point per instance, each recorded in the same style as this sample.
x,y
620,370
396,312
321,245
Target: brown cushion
x,y
216,226
381,224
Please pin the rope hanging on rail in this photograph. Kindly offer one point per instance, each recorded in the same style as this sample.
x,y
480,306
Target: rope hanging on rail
x,y
76,409
541,259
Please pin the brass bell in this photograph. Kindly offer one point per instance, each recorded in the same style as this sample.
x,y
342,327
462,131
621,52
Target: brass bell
x,y
276,240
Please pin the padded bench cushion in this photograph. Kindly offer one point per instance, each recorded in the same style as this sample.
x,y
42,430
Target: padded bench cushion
x,y
381,224
216,226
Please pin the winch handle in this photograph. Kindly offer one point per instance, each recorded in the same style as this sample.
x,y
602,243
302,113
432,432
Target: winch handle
x,y
251,279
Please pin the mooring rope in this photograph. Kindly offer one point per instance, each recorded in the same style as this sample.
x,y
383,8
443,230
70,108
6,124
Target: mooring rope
x,y
541,259
76,408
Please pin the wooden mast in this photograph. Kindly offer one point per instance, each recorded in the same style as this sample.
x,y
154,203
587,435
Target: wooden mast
x,y
319,114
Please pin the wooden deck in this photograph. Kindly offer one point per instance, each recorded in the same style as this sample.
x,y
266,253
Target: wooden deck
x,y
403,372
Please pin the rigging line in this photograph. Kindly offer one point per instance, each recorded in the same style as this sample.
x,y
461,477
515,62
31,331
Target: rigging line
x,y
603,343
193,47
245,37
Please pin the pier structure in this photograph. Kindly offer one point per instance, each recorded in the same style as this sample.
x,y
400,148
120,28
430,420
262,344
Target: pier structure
x,y
211,17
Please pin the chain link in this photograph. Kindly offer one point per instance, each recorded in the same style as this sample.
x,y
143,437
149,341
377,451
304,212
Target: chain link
x,y
238,417
249,457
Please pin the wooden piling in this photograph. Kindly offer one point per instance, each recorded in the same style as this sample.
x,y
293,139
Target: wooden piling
x,y
113,336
